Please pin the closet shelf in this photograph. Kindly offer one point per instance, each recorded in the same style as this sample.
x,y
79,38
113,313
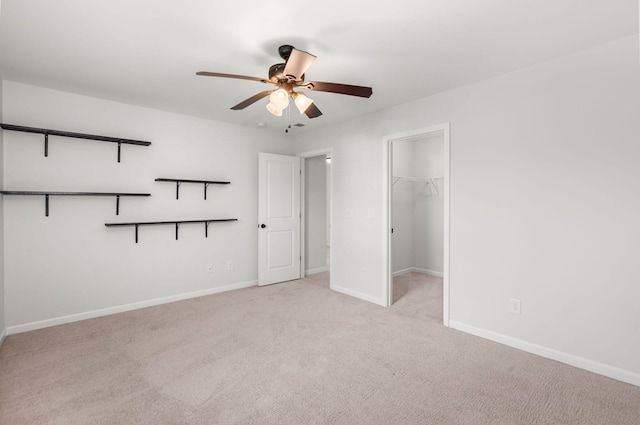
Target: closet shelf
x,y
179,181
417,179
49,132
177,223
428,181
47,194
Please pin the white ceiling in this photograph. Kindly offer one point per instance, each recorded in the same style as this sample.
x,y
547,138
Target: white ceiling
x,y
146,52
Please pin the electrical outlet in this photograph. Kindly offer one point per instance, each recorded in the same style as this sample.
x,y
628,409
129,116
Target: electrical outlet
x,y
364,272
210,268
348,213
370,213
514,306
230,265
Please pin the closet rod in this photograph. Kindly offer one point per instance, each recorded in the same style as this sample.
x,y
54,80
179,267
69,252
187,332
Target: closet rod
x,y
418,179
426,180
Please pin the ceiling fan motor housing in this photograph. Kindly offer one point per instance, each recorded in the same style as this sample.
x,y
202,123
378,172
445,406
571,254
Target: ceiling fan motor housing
x,y
277,75
276,72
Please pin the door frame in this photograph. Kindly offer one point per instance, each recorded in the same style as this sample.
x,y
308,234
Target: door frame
x,y
311,154
387,158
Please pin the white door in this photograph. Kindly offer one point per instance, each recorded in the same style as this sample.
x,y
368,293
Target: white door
x,y
278,218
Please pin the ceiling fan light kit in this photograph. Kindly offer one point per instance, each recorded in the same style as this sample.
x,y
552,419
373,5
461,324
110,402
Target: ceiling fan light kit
x,y
302,101
279,99
275,111
287,76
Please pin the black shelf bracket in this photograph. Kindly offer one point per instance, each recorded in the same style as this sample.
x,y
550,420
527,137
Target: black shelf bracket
x,y
47,194
48,132
206,184
177,224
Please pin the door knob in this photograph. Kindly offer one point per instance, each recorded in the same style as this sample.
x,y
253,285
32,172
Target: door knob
x,y
263,225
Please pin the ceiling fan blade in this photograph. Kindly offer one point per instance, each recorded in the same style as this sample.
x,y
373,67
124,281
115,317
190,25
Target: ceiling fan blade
x,y
347,89
298,63
312,111
253,99
241,77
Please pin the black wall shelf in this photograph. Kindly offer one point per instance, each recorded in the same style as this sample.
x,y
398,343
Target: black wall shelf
x,y
177,223
178,181
47,194
49,132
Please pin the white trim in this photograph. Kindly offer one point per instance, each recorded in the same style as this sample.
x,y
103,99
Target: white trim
x,y
417,270
310,154
303,216
3,335
387,218
317,152
549,353
314,271
360,295
122,308
446,288
401,272
428,272
387,179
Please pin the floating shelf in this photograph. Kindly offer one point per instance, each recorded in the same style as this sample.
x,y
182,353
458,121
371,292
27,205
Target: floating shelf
x,y
177,223
178,181
49,132
47,194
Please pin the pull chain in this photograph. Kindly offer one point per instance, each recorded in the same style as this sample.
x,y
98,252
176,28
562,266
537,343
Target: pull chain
x,y
286,130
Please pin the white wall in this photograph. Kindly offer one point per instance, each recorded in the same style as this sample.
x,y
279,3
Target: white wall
x,y
543,207
69,265
315,214
428,204
355,166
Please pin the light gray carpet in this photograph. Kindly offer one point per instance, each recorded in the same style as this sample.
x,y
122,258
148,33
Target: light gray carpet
x,y
293,353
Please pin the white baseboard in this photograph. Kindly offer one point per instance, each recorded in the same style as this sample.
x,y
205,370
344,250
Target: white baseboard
x,y
314,271
429,272
359,295
3,334
122,308
403,271
417,270
549,353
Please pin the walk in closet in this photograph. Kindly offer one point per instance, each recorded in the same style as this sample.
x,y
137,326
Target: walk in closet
x,y
418,205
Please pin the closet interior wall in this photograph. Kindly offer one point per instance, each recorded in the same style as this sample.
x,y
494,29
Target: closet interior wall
x,y
418,206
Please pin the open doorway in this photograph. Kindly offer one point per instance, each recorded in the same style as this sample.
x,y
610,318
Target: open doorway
x,y
316,216
417,207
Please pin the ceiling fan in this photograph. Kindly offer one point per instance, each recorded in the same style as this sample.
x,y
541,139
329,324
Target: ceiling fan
x,y
286,77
